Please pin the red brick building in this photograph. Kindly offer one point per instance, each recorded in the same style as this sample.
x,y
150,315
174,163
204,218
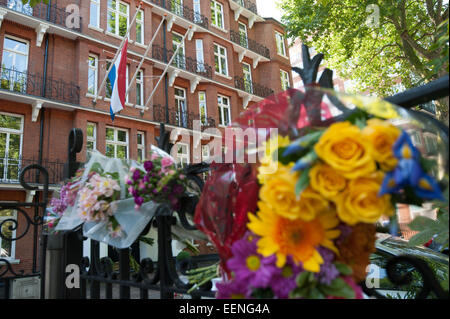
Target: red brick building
x,y
53,64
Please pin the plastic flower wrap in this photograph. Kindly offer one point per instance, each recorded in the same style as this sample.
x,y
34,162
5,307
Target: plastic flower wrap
x,y
305,227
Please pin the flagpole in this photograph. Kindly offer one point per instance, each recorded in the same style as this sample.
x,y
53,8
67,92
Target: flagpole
x,y
145,54
117,53
167,67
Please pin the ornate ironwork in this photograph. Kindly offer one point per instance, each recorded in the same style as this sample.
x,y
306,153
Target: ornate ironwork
x,y
252,87
183,11
247,4
32,84
249,43
48,12
179,118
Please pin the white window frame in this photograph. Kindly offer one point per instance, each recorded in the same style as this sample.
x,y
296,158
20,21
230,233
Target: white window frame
x,y
415,138
181,108
184,156
140,82
176,60
202,105
97,3
219,56
247,77
222,107
241,24
8,132
141,146
118,13
116,142
279,38
12,253
12,67
95,70
142,23
215,12
199,55
206,153
285,81
92,139
197,10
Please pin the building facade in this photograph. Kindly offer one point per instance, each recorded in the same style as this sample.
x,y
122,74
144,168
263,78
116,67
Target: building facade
x,y
54,58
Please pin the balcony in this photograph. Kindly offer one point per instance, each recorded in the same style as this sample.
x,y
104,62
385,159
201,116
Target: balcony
x,y
33,84
247,5
247,9
250,44
177,7
10,167
50,13
252,87
180,119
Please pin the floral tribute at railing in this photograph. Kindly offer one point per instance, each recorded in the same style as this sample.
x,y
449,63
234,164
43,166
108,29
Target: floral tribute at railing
x,y
113,199
300,222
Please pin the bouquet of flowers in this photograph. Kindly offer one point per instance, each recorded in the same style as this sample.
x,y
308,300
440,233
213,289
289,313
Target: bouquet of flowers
x,y
160,181
300,223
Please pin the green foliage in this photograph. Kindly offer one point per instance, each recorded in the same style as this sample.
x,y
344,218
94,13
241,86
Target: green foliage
x,y
310,288
147,240
34,2
302,182
408,37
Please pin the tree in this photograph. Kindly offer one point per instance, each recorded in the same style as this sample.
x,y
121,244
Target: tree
x,y
376,45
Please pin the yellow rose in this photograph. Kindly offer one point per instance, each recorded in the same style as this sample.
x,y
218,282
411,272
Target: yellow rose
x,y
382,136
344,148
325,180
269,166
311,204
360,201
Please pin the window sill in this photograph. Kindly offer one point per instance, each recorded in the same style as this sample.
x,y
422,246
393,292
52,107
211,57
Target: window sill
x,y
219,28
283,56
129,104
224,76
140,45
11,261
89,95
92,27
115,35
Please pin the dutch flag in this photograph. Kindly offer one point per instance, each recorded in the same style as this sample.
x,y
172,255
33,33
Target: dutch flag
x,y
118,78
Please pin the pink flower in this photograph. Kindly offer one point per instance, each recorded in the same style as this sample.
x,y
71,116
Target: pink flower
x,y
166,161
142,185
154,156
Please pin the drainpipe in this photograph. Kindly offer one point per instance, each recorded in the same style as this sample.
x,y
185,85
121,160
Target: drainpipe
x,y
166,78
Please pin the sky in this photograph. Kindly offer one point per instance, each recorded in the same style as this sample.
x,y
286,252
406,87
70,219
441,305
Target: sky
x,y
268,9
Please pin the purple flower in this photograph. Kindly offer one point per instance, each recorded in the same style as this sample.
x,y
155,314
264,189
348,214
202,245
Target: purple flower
x,y
177,189
328,271
165,189
146,179
139,200
136,175
345,232
235,289
284,280
249,266
148,165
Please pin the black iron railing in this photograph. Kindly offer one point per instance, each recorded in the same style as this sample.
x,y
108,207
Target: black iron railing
x,y
183,11
33,84
244,41
182,62
10,167
48,12
252,87
249,5
183,119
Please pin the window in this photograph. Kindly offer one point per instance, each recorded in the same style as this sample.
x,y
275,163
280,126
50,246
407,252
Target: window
x,y
217,14
202,107
140,88
205,153
179,61
18,5
91,136
8,230
94,14
141,146
243,39
220,59
415,137
431,144
199,55
180,106
11,135
116,143
92,74
117,17
140,27
14,65
197,11
224,110
246,69
176,6
284,80
183,156
281,49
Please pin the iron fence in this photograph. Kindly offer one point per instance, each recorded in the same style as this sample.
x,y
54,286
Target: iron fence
x,y
246,42
48,12
33,84
180,118
251,87
247,4
183,11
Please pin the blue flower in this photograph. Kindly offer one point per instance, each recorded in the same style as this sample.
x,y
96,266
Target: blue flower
x,y
405,149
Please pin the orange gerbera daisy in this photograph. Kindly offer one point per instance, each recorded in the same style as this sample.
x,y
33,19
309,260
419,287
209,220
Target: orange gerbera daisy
x,y
297,238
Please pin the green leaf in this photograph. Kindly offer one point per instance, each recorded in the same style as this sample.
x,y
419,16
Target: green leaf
x,y
421,238
96,167
285,160
338,288
343,269
147,240
422,223
303,182
302,278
